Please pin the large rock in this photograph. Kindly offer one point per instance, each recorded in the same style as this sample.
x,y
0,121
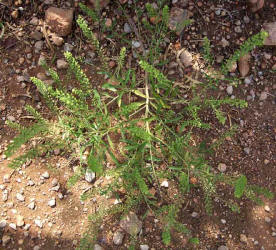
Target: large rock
x,y
59,20
131,224
271,29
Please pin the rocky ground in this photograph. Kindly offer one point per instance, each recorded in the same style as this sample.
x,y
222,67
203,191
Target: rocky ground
x,y
37,209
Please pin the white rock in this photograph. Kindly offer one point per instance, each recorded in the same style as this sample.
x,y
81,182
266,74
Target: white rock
x,y
31,205
136,44
267,208
38,223
89,175
20,220
20,197
52,202
165,184
229,90
31,183
194,214
54,182
144,247
46,175
13,226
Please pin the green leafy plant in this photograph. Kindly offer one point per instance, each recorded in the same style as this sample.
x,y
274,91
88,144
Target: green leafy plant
x,y
132,123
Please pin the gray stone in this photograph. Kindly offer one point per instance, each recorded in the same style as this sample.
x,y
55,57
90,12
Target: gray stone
x,y
89,175
127,28
136,44
246,19
131,224
54,182
38,46
246,150
144,247
118,238
247,80
238,29
68,47
229,90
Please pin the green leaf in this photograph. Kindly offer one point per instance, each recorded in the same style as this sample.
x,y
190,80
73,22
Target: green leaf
x,y
184,182
166,237
194,241
94,164
109,87
240,186
141,183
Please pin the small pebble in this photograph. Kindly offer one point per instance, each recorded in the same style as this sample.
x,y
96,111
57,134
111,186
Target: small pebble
x,y
267,208
229,90
127,28
52,202
136,44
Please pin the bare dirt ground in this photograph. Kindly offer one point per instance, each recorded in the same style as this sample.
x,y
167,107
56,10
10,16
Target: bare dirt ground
x,y
251,151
